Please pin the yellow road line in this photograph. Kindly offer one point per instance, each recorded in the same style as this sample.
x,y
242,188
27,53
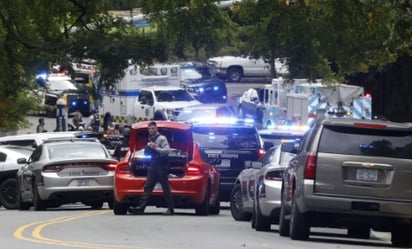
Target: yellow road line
x,y
40,225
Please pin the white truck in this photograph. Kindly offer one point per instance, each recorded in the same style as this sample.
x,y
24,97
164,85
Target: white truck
x,y
234,68
300,102
148,93
162,103
120,101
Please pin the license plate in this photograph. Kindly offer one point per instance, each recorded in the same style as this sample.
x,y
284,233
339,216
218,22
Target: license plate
x,y
369,175
80,182
225,163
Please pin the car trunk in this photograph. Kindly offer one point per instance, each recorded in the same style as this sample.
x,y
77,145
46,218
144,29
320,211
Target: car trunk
x,y
177,164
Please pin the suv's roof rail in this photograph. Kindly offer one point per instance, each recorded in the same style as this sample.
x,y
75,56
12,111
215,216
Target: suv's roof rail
x,y
64,139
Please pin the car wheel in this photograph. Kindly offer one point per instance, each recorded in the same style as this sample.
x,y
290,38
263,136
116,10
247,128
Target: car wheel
x,y
284,224
203,209
299,227
38,203
401,236
8,193
234,74
119,208
215,209
262,223
359,232
20,205
236,205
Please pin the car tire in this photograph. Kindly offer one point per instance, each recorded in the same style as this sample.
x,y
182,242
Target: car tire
x,y
236,205
215,209
299,227
38,203
234,74
119,208
359,232
284,224
204,208
401,236
8,193
20,205
262,223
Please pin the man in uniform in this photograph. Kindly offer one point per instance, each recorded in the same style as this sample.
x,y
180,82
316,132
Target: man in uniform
x,y
158,147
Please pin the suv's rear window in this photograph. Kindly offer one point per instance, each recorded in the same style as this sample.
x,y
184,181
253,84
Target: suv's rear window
x,y
366,142
226,138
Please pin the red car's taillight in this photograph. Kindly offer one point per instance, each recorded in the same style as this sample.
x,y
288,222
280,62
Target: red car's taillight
x,y
123,168
193,169
310,166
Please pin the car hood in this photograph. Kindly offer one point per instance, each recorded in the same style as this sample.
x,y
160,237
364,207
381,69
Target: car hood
x,y
177,104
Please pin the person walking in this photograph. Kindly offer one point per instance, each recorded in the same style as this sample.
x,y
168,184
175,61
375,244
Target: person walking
x,y
158,147
40,127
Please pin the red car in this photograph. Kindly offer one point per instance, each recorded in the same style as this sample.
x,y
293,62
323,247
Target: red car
x,y
193,180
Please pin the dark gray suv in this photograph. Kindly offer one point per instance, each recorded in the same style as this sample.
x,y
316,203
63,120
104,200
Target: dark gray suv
x,y
354,174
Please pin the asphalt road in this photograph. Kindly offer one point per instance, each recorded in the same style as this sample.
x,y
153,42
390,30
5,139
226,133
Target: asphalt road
x,y
77,226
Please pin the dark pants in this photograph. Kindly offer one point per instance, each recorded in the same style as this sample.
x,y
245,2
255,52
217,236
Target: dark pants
x,y
157,173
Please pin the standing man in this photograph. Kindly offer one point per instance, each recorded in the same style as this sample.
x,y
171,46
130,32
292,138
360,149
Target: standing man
x,y
40,127
158,147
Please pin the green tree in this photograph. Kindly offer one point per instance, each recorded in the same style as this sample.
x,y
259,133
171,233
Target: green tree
x,y
35,35
328,39
190,26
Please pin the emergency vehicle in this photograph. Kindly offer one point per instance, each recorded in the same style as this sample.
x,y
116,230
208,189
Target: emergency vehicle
x,y
299,102
120,100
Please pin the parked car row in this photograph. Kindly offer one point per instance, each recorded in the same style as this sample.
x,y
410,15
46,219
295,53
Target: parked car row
x,y
345,173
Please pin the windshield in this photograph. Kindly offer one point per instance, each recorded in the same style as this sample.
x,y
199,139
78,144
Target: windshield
x,y
366,142
189,73
61,85
173,95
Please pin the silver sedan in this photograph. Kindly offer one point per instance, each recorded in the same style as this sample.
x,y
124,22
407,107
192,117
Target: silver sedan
x,y
256,194
66,171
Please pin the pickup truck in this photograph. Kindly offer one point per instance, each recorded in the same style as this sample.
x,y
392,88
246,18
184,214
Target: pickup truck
x,y
233,69
162,102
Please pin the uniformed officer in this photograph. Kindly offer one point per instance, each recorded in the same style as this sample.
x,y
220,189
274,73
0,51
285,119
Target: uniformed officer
x,y
158,170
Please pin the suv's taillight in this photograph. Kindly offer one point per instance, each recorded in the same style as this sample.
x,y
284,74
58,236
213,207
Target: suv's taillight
x,y
310,166
260,152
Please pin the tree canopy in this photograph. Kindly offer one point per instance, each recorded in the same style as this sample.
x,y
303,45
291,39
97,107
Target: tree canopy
x,y
334,39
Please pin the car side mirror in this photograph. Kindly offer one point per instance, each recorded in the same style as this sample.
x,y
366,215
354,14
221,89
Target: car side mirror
x,y
21,161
